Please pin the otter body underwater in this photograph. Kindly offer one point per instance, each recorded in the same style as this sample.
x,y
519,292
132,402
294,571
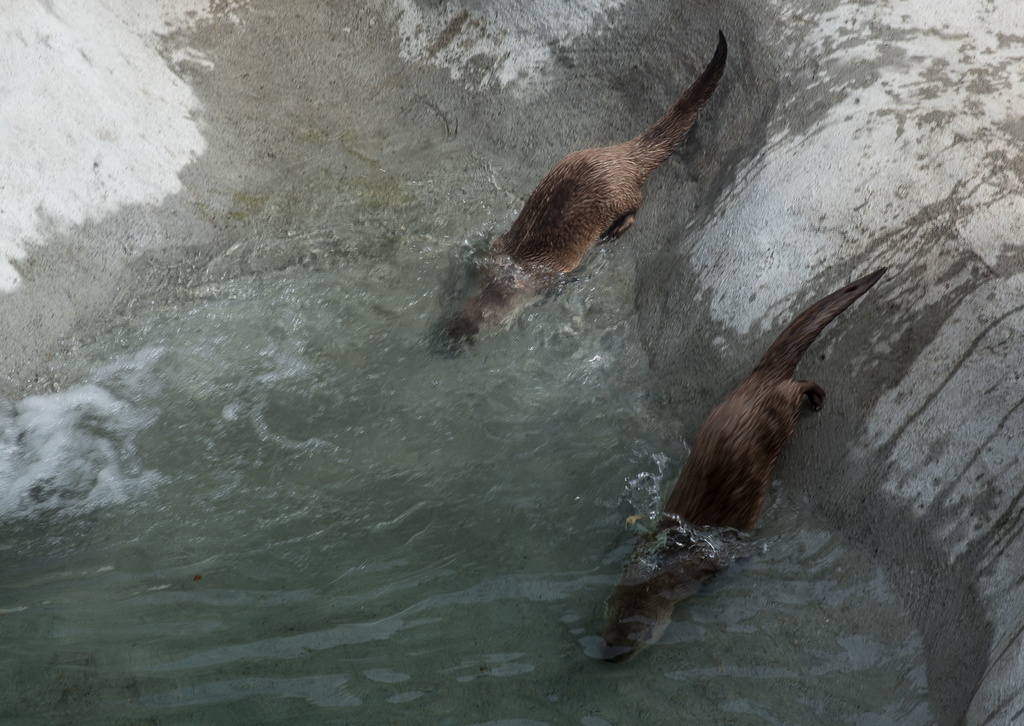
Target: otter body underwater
x,y
722,485
589,195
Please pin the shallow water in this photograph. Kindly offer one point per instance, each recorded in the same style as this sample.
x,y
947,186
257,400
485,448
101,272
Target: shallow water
x,y
273,504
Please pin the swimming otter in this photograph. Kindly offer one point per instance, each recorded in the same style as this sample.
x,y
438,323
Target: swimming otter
x,y
588,195
722,486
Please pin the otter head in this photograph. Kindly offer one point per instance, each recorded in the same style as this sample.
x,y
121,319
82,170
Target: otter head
x,y
501,290
667,565
637,615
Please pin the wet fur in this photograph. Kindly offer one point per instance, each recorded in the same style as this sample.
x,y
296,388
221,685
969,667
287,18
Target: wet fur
x,y
725,478
589,195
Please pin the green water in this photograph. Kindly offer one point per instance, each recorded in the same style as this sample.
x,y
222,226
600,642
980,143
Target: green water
x,y
273,504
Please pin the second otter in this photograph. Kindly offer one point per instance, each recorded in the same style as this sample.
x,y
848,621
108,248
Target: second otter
x,y
588,195
723,483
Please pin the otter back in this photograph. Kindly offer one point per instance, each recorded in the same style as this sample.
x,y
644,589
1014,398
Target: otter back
x,y
588,195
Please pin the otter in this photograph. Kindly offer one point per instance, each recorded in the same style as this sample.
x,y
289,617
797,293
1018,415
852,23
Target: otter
x,y
590,195
719,494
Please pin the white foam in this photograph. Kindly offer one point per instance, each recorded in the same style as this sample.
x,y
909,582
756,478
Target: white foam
x,y
70,451
93,118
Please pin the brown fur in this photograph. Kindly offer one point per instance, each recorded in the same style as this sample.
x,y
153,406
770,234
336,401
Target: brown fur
x,y
724,480
588,195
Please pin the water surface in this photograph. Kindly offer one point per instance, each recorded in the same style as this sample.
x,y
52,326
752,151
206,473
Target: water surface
x,y
272,503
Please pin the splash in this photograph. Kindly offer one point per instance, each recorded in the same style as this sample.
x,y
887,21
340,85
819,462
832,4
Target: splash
x,y
70,452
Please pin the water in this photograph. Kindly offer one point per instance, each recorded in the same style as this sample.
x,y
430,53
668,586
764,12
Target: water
x,y
270,503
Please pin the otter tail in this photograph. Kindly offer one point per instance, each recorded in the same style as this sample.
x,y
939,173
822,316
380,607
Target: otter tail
x,y
668,131
783,355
